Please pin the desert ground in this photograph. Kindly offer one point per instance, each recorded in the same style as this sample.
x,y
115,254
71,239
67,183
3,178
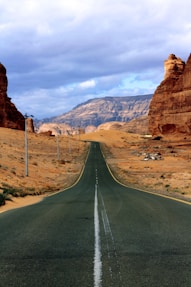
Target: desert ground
x,y
161,166
55,163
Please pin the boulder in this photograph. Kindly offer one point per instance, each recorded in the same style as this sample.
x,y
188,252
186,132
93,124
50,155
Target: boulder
x,y
170,107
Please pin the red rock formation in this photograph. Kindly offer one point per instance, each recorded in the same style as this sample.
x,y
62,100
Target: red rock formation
x,y
30,125
170,107
173,66
10,117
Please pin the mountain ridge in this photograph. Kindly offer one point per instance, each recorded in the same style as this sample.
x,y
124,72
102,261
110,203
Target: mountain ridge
x,y
106,109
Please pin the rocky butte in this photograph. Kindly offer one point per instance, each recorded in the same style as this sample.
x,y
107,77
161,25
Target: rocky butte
x,y
10,117
170,107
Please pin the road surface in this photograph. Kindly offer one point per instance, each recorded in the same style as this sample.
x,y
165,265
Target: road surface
x,y
98,234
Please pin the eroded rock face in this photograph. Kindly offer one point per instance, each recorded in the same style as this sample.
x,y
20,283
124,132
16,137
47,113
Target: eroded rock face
x,y
10,117
3,79
30,125
173,66
170,107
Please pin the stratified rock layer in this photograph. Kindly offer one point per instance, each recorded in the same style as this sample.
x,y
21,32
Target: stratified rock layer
x,y
170,107
108,109
10,117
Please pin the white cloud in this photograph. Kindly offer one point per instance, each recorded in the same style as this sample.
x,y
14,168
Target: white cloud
x,y
87,84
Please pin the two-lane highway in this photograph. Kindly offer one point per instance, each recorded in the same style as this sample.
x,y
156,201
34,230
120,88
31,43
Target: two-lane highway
x,y
99,234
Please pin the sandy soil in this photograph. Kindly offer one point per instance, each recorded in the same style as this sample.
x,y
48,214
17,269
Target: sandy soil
x,y
18,202
53,164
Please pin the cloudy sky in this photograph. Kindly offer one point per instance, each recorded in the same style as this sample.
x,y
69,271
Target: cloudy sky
x,y
61,53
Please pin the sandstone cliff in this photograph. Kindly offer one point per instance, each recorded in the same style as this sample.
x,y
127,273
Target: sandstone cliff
x,y
10,117
170,107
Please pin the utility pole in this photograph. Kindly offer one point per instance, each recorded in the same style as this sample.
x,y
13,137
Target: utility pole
x,y
69,144
58,148
26,145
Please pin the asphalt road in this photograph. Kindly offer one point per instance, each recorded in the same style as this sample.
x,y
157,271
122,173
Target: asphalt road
x,y
99,234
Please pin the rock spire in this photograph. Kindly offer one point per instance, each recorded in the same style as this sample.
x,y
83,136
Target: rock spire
x,y
170,107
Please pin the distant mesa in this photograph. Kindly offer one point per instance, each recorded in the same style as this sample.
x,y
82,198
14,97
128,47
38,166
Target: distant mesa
x,y
10,117
170,107
95,112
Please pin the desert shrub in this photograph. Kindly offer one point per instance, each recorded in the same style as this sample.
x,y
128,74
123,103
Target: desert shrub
x,y
3,167
2,199
177,190
30,191
9,190
13,171
62,161
21,159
